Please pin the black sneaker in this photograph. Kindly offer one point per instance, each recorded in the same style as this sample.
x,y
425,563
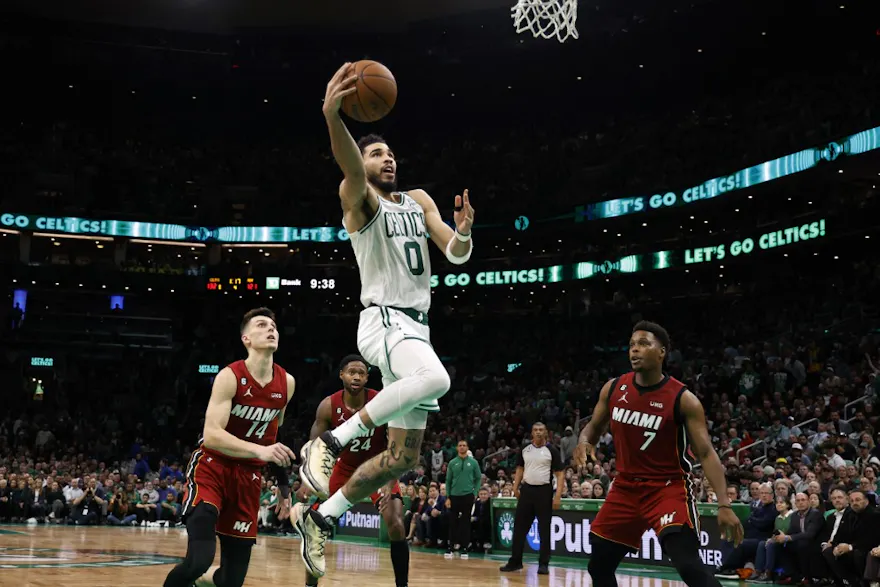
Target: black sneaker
x,y
543,570
510,567
725,573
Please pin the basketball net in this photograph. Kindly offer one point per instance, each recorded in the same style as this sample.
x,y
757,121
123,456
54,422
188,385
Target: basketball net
x,y
546,18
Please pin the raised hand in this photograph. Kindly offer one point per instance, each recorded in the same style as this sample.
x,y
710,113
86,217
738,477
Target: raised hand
x,y
464,214
582,452
339,86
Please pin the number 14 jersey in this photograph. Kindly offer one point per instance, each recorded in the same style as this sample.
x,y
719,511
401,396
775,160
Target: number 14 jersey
x,y
363,447
392,256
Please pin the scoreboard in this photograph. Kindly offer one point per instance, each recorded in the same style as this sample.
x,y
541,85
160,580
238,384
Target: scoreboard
x,y
232,284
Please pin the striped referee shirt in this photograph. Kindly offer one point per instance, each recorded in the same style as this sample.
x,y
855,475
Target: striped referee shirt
x,y
539,463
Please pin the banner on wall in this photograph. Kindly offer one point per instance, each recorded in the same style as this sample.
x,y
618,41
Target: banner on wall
x,y
570,536
363,519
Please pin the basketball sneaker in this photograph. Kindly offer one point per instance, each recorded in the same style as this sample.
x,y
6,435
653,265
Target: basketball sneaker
x,y
318,457
314,530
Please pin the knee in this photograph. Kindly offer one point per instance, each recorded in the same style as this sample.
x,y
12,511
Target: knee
x,y
435,380
395,531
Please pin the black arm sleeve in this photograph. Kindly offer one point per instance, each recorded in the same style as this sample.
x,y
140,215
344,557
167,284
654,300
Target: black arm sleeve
x,y
283,480
520,461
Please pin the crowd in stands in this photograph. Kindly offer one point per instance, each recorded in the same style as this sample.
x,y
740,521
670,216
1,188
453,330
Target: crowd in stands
x,y
789,386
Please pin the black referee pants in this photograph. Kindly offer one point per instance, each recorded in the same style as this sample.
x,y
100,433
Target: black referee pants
x,y
460,520
535,501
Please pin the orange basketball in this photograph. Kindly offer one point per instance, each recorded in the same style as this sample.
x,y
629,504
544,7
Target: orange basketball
x,y
376,92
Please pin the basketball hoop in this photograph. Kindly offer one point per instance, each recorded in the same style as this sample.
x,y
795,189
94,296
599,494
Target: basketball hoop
x,y
546,18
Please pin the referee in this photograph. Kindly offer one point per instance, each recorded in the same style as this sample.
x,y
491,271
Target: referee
x,y
533,486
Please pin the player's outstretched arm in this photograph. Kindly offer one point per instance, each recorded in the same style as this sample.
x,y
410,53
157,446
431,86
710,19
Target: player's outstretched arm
x,y
353,190
589,436
457,244
694,417
217,417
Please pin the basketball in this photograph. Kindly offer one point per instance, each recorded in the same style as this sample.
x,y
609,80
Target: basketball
x,y
376,92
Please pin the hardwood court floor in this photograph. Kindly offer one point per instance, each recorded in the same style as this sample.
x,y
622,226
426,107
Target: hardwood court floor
x,y
44,556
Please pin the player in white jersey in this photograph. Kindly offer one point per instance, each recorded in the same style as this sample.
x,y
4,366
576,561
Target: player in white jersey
x,y
389,233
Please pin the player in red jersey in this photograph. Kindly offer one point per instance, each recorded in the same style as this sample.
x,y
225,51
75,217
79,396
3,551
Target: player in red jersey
x,y
332,412
655,422
223,477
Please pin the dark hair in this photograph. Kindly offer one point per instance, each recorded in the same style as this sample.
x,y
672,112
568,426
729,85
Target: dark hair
x,y
251,314
368,140
658,331
351,359
839,488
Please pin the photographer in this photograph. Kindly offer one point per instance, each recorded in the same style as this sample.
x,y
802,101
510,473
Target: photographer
x,y
86,508
119,512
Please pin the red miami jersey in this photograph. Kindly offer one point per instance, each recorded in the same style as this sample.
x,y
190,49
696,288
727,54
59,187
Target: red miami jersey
x,y
255,409
650,435
364,446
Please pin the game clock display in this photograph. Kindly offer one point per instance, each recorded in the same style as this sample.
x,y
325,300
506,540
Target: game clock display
x,y
232,284
256,284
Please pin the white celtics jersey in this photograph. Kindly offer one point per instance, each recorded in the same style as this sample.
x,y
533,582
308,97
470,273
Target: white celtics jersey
x,y
392,256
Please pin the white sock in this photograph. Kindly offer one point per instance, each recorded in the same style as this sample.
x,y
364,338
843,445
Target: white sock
x,y
335,506
349,429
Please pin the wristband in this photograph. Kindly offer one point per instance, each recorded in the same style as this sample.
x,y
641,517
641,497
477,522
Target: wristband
x,y
463,237
458,260
725,506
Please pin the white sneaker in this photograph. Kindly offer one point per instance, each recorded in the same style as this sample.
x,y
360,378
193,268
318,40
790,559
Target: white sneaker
x,y
318,457
314,531
449,555
464,556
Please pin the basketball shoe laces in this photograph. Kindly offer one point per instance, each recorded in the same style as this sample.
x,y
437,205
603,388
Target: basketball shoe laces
x,y
328,460
324,525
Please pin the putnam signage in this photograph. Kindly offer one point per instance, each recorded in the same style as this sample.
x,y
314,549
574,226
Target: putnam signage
x,y
570,536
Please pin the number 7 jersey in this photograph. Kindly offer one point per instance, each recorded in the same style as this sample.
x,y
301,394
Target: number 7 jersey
x,y
392,256
650,434
364,446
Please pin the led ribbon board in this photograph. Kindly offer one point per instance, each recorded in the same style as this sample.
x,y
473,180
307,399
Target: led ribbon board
x,y
172,232
857,144
867,140
637,263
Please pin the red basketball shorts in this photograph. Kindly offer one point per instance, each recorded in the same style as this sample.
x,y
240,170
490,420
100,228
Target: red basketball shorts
x,y
632,507
230,486
340,477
